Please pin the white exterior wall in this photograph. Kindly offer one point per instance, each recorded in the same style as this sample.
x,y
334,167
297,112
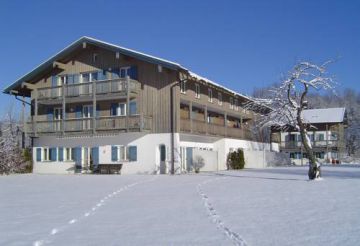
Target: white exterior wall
x,y
148,154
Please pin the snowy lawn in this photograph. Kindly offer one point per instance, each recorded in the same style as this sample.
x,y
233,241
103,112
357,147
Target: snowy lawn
x,y
276,206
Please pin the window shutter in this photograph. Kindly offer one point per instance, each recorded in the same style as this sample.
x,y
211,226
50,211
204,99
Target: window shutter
x,y
54,81
113,109
133,72
114,153
95,156
70,79
61,154
53,154
133,108
77,156
38,154
132,153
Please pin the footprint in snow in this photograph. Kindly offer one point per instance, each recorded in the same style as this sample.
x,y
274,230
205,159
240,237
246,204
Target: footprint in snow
x,y
72,221
54,231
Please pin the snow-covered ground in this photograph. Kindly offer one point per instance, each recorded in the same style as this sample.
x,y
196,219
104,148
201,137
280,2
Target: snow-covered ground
x,y
276,206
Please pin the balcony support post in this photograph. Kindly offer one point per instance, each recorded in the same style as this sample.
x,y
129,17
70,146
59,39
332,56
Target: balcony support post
x,y
36,111
94,107
190,116
63,116
225,123
206,119
127,102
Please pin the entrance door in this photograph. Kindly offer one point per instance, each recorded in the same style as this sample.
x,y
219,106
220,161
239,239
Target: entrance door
x,y
162,149
189,158
87,117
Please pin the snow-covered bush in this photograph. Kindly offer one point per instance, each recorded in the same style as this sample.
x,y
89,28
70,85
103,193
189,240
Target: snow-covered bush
x,y
198,163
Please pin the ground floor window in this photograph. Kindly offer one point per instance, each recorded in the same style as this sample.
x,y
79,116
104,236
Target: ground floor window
x,y
320,155
68,154
295,155
123,153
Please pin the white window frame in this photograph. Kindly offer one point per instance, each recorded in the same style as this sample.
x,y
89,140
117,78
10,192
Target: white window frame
x,y
197,91
126,69
45,154
120,156
67,152
210,95
231,103
118,110
220,101
183,87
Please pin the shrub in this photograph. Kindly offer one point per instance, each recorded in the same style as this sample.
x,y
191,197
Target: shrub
x,y
236,160
198,163
28,159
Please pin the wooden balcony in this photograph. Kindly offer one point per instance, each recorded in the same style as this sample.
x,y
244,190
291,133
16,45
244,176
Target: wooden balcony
x,y
103,88
203,128
133,123
315,144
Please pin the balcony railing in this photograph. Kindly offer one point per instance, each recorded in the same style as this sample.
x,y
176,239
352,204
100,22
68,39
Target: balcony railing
x,y
201,127
319,144
118,86
110,123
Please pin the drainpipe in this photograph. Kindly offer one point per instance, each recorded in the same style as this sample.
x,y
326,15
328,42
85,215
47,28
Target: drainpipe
x,y
172,123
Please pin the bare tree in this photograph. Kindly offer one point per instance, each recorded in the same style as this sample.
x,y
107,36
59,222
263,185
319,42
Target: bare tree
x,y
288,100
11,158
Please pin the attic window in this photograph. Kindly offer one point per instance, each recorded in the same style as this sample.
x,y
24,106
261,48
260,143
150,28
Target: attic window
x,y
95,57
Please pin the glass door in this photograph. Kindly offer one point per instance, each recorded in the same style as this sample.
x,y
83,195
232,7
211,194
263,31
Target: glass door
x,y
87,117
57,118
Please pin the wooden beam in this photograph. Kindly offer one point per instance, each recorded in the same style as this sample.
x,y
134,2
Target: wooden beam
x,y
27,85
59,65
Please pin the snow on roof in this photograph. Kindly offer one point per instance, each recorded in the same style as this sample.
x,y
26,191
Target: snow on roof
x,y
198,77
324,115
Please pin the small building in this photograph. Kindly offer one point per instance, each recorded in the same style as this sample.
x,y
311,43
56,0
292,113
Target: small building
x,y
326,131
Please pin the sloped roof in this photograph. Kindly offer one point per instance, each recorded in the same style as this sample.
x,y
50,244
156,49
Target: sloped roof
x,y
324,115
139,55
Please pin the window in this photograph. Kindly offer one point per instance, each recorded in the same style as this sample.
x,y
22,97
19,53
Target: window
x,y
219,98
95,57
45,156
236,105
197,91
321,137
133,108
320,155
183,87
231,103
68,156
210,99
118,109
123,153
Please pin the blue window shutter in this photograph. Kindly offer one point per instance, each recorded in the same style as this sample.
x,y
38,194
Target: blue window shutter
x,y
61,154
114,153
133,72
77,156
95,156
113,109
53,154
132,108
132,153
101,75
54,81
38,154
115,73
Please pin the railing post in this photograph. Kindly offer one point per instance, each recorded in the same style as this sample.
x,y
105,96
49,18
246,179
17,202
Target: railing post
x,y
63,116
36,111
94,106
127,102
190,116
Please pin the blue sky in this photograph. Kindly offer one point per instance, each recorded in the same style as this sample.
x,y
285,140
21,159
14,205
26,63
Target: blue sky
x,y
240,44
